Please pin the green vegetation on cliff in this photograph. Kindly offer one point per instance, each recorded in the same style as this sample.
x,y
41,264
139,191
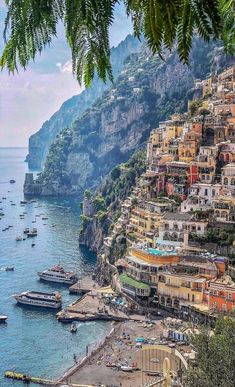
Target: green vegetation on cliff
x,y
73,108
146,91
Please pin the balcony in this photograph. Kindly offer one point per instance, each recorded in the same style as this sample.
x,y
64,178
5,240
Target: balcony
x,y
173,285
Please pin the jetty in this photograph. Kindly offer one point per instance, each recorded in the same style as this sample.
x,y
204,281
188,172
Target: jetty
x,y
84,285
90,307
26,379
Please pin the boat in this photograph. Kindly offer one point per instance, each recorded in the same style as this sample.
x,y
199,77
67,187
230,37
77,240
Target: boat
x,y
126,368
44,218
18,238
26,230
12,181
32,233
3,318
73,327
23,202
39,299
58,274
33,244
9,268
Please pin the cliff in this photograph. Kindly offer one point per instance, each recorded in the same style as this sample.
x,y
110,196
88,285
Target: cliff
x,y
101,209
147,91
73,108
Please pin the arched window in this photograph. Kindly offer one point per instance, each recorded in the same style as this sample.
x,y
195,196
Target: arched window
x,y
225,181
223,214
174,236
166,236
233,181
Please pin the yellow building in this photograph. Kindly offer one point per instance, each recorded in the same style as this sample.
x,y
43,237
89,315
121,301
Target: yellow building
x,y
188,147
173,130
207,87
186,284
224,208
144,224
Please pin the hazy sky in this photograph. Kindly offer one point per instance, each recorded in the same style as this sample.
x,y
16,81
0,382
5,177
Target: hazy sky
x,y
30,97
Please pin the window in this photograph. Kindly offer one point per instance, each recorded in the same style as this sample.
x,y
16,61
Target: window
x,y
206,192
199,228
230,297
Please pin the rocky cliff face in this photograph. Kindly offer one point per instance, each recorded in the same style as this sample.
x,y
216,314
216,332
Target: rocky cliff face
x,y
73,108
147,91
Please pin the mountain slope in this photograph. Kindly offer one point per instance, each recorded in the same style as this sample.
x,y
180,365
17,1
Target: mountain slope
x,y
147,91
40,142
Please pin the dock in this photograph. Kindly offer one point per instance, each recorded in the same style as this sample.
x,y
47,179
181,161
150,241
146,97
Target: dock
x,y
90,307
26,379
83,285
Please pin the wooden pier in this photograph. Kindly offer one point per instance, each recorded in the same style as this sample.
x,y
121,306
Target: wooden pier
x,y
26,379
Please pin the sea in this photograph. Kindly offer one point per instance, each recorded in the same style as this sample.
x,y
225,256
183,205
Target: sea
x,y
33,341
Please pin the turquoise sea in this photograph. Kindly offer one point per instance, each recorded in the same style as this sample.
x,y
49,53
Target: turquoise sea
x,y
33,341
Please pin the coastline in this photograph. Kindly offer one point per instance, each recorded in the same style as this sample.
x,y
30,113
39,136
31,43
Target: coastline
x,y
94,350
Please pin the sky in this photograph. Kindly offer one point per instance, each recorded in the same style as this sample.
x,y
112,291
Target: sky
x,y
29,98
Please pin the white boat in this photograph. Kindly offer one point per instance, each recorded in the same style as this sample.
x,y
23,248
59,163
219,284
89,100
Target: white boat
x,y
73,327
3,319
32,233
18,238
58,274
40,299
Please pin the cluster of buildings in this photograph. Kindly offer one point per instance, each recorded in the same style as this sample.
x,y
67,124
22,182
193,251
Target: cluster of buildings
x,y
187,191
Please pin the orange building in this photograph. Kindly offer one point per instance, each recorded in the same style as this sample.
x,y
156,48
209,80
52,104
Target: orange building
x,y
222,295
196,127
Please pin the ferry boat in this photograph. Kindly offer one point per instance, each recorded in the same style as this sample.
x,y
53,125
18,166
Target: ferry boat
x,y
58,274
40,299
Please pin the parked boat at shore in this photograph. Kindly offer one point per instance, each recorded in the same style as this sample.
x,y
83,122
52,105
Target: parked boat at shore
x,y
58,274
39,299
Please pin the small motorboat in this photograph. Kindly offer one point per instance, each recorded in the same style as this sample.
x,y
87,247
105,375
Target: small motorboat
x,y
73,327
126,368
44,218
33,244
26,230
9,268
18,238
23,202
12,181
3,318
13,204
32,233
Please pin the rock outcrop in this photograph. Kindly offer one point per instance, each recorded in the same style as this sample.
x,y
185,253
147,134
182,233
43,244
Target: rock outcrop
x,y
73,108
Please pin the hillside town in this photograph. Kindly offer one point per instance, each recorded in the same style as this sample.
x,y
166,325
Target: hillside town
x,y
179,221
